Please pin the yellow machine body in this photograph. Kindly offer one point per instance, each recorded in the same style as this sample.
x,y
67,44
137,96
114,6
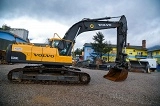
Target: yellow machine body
x,y
30,53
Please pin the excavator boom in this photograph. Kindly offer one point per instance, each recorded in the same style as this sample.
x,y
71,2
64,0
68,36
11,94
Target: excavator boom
x,y
91,25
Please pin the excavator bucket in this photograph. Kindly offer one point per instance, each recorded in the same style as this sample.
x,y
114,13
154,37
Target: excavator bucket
x,y
116,74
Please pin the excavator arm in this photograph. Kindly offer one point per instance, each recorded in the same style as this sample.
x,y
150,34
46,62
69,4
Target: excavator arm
x,y
96,24
119,71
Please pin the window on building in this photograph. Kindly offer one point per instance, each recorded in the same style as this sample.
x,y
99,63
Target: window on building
x,y
130,53
157,53
139,53
88,49
105,58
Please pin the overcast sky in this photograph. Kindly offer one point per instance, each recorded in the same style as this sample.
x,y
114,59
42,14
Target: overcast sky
x,y
43,18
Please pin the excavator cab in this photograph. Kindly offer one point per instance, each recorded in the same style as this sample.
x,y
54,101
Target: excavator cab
x,y
54,43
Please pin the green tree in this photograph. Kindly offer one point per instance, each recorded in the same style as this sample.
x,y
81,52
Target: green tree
x,y
78,51
100,46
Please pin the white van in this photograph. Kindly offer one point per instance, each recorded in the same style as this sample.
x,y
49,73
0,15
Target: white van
x,y
152,63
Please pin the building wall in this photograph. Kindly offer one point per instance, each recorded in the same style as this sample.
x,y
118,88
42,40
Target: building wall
x,y
155,54
8,38
133,54
136,54
22,33
87,51
111,56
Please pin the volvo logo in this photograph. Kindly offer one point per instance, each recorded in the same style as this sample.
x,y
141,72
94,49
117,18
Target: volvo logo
x,y
44,55
104,25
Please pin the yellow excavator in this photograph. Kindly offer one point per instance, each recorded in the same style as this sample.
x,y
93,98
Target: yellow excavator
x,y
55,59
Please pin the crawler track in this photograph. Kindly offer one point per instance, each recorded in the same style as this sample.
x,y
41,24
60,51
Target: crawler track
x,y
45,75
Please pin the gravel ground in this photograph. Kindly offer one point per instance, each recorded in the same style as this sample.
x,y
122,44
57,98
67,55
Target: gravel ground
x,y
139,89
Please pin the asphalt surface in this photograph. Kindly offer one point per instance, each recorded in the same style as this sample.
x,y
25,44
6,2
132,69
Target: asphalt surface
x,y
139,89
